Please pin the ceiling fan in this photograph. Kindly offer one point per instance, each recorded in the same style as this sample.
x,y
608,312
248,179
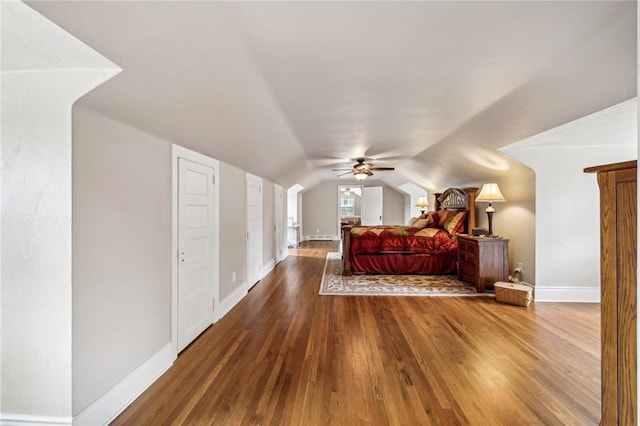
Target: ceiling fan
x,y
362,169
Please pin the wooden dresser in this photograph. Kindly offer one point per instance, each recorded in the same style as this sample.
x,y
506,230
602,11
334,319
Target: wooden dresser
x,y
482,261
618,280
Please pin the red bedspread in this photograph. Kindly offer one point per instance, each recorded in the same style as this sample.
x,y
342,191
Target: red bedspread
x,y
401,239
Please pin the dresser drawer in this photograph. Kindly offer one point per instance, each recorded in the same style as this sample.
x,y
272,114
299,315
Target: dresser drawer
x,y
467,257
468,271
467,247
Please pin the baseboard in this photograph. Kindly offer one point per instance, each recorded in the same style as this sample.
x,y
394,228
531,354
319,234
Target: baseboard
x,y
567,294
283,257
321,238
268,267
232,300
115,400
7,419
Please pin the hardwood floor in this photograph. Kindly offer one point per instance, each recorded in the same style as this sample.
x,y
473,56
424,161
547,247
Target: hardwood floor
x,y
285,355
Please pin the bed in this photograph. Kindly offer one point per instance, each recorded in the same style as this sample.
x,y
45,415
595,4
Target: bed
x,y
427,245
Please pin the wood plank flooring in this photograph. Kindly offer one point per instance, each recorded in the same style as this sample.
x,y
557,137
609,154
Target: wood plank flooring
x,y
287,356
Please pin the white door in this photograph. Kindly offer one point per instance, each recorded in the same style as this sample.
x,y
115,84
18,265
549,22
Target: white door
x,y
279,221
372,205
195,250
254,230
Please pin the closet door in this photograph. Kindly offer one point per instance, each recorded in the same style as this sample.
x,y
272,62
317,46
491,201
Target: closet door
x,y
196,282
254,230
372,205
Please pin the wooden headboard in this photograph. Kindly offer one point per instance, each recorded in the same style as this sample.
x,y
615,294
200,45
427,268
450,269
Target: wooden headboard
x,y
461,200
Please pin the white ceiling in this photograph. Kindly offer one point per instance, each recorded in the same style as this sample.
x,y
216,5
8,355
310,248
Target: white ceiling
x,y
289,90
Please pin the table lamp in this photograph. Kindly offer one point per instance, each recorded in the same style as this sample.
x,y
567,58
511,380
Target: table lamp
x,y
423,203
490,193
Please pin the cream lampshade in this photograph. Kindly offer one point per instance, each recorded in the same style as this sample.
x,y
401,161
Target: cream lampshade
x,y
423,203
360,174
490,193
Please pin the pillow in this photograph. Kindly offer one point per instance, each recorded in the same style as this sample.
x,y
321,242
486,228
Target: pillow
x,y
412,221
434,219
423,223
420,223
443,215
454,223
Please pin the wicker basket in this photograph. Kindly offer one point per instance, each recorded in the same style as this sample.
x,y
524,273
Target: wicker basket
x,y
512,293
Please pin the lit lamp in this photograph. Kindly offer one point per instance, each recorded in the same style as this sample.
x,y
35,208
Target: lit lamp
x,y
490,193
360,174
423,203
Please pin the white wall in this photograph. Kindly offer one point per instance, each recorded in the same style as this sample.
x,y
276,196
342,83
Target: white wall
x,y
233,187
292,203
393,206
121,256
44,70
320,207
320,210
280,201
268,223
413,192
121,252
567,204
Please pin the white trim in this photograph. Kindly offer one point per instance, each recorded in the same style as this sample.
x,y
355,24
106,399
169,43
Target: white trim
x,y
115,400
267,268
176,153
7,419
232,299
280,222
567,294
320,238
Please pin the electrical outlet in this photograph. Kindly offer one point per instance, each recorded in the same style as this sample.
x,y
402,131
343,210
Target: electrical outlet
x,y
518,268
233,277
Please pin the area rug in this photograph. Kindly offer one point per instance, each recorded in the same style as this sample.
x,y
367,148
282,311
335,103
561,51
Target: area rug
x,y
333,283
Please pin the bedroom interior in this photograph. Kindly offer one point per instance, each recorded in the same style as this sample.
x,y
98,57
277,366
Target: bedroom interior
x,y
426,246
525,96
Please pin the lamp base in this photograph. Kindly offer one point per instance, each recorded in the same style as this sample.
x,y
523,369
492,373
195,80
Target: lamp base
x,y
490,217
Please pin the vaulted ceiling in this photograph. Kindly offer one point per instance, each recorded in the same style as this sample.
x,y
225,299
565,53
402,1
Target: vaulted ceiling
x,y
290,90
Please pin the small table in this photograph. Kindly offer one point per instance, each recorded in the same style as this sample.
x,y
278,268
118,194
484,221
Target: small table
x,y
482,261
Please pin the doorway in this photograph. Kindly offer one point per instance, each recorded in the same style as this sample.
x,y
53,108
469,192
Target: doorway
x,y
254,230
372,206
349,206
196,206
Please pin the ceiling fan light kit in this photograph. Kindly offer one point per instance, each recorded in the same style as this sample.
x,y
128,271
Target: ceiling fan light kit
x,y
361,169
360,175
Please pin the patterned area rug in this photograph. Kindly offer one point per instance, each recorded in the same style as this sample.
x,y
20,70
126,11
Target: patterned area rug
x,y
333,283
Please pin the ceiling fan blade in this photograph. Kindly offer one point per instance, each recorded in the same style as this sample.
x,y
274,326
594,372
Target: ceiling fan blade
x,y
340,170
379,169
344,174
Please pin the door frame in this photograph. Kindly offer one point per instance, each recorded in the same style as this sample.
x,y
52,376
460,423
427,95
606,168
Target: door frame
x,y
178,152
280,227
